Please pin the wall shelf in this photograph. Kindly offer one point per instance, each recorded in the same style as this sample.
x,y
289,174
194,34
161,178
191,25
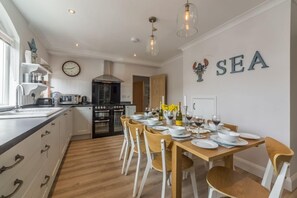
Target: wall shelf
x,y
32,67
28,87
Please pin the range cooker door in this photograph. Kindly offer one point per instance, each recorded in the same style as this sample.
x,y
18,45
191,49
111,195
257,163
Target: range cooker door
x,y
101,128
117,120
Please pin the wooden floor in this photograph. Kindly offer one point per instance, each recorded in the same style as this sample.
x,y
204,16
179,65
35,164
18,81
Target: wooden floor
x,y
91,169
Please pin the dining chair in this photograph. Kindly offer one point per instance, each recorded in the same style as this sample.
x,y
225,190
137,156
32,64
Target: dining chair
x,y
137,146
232,128
126,142
233,184
158,146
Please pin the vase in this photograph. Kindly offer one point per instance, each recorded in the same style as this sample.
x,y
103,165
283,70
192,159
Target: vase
x,y
34,57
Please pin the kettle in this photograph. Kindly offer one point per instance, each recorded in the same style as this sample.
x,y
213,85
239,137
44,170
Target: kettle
x,y
84,100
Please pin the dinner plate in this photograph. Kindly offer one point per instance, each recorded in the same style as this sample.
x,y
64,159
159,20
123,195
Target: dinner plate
x,y
185,135
201,131
160,128
156,124
239,142
214,129
207,144
249,136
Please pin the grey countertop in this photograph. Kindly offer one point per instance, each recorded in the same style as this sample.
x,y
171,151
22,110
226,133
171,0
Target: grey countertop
x,y
13,131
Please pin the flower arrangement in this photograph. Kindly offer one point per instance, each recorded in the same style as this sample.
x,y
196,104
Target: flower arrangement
x,y
171,107
200,68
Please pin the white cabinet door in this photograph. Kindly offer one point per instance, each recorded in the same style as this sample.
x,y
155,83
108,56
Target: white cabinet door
x,y
63,134
82,120
205,106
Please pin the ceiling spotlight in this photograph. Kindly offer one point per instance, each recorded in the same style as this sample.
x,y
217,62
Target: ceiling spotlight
x,y
71,11
76,44
134,54
134,39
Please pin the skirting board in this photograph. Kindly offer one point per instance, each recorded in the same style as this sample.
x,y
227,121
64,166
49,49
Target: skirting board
x,y
290,182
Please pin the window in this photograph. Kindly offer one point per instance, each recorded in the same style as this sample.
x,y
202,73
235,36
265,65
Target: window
x,y
4,72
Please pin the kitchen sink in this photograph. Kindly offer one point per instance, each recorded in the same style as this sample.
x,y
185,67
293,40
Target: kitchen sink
x,y
29,112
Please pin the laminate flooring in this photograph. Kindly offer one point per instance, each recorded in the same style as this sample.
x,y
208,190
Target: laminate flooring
x,y
91,169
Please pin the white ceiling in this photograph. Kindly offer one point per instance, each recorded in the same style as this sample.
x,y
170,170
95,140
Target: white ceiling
x,y
103,28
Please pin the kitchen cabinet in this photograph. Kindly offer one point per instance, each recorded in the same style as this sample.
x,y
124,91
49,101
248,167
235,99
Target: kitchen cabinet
x,y
82,124
28,68
33,163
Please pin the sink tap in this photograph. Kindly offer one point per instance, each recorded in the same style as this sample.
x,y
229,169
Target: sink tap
x,y
17,104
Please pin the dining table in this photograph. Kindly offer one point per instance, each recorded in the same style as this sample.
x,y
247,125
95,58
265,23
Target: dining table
x,y
224,153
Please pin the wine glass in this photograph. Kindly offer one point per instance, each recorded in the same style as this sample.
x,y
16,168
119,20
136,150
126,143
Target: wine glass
x,y
154,112
146,110
169,115
189,116
198,119
216,119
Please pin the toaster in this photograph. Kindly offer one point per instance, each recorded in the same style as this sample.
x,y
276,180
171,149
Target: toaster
x,y
69,99
44,102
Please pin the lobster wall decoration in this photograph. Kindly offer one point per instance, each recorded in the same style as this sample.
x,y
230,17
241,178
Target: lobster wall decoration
x,y
200,68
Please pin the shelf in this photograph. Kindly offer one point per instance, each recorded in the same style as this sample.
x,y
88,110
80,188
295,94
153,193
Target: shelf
x,y
28,87
31,67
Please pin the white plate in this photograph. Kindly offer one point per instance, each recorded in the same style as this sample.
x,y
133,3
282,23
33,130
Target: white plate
x,y
239,142
157,124
185,135
207,144
249,136
160,128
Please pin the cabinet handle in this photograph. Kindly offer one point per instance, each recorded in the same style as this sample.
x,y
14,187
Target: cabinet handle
x,y
18,158
53,124
46,133
194,108
47,178
46,148
19,184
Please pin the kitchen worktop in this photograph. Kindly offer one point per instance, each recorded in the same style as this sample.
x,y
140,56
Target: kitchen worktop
x,y
13,131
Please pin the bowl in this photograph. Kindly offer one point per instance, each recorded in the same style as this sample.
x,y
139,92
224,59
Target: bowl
x,y
137,116
228,136
152,121
177,130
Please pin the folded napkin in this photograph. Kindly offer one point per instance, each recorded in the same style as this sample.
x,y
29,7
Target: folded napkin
x,y
221,144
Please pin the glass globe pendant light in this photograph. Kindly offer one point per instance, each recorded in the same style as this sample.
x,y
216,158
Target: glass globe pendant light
x,y
152,44
187,20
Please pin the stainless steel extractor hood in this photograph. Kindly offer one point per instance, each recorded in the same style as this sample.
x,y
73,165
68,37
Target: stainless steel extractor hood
x,y
107,77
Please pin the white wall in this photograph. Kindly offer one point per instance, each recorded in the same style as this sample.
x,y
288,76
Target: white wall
x,y
257,101
174,71
91,68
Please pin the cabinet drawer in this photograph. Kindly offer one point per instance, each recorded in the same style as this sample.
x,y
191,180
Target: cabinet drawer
x,y
15,185
14,159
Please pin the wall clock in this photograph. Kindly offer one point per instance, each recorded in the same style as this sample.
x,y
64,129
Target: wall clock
x,y
71,68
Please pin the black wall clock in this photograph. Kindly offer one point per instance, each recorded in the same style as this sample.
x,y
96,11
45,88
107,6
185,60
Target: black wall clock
x,y
71,68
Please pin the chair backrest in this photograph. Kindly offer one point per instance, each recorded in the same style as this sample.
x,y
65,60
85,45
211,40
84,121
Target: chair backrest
x,y
132,128
154,141
278,163
231,127
278,153
124,121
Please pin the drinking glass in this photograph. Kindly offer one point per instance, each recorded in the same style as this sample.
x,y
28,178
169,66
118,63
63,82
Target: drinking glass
x,y
189,116
216,119
198,119
154,112
146,111
169,115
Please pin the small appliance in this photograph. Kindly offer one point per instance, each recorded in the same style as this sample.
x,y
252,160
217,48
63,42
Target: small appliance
x,y
69,99
44,102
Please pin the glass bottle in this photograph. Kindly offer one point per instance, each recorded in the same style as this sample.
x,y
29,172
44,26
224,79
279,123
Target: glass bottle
x,y
161,112
179,116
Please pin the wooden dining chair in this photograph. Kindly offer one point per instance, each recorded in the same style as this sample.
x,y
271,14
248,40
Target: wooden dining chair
x,y
137,146
126,142
233,184
157,145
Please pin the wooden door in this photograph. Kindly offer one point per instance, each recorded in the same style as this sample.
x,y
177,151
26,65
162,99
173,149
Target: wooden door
x,y
157,90
138,95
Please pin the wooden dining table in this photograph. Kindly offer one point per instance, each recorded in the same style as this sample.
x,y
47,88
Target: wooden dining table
x,y
206,154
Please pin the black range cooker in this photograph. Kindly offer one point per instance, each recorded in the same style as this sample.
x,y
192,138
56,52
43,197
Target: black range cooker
x,y
106,120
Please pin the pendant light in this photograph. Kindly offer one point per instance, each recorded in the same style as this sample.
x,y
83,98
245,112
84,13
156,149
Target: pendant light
x,y
187,20
152,45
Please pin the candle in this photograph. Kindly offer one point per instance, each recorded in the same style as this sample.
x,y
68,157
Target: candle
x,y
163,100
185,100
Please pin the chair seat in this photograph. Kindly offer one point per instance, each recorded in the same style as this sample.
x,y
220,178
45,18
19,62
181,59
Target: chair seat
x,y
234,184
157,162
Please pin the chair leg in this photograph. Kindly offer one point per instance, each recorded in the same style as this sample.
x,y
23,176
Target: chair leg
x,y
212,193
169,179
122,150
144,178
127,147
129,160
210,165
136,175
164,184
193,181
